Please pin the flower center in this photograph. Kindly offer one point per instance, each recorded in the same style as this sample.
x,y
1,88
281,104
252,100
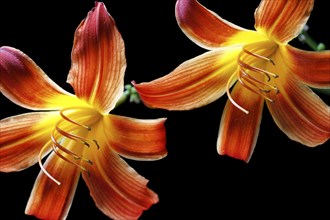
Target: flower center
x,y
252,74
69,137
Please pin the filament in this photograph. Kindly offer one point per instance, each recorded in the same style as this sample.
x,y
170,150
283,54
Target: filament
x,y
58,145
67,160
72,121
231,99
42,167
256,69
71,136
258,56
251,80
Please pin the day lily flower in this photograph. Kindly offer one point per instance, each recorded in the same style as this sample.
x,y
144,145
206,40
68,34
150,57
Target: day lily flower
x,y
252,67
76,131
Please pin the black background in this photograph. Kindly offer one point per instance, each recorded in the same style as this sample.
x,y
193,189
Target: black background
x,y
282,178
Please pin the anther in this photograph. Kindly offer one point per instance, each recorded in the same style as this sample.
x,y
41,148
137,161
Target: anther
x,y
86,160
98,147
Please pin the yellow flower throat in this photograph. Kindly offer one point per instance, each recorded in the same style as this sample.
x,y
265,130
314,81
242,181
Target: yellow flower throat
x,y
71,135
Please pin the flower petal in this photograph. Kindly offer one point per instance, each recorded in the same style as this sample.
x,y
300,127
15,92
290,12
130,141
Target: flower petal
x,y
49,200
202,26
238,131
98,60
282,20
136,139
22,137
300,113
25,84
313,68
117,189
195,83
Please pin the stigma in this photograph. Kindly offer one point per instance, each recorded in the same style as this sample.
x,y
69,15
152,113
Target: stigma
x,y
252,73
69,138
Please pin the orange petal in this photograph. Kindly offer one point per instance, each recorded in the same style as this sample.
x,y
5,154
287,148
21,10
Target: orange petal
x,y
49,200
282,20
195,83
137,139
300,113
22,138
117,189
25,84
238,131
203,26
313,68
98,60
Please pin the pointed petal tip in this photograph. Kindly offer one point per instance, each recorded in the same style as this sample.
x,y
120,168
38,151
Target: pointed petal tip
x,y
98,53
24,83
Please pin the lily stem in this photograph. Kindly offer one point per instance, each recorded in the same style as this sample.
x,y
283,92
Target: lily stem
x,y
304,37
129,94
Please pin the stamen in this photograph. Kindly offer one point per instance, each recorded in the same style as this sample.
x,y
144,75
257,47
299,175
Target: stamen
x,y
58,145
256,69
245,85
88,161
71,135
258,56
73,122
42,167
67,160
252,90
231,99
249,81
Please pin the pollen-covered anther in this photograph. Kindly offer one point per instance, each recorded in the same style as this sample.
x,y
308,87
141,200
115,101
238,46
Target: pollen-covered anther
x,y
67,130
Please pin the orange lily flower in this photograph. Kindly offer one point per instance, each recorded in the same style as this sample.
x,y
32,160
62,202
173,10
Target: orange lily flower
x,y
252,67
77,131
